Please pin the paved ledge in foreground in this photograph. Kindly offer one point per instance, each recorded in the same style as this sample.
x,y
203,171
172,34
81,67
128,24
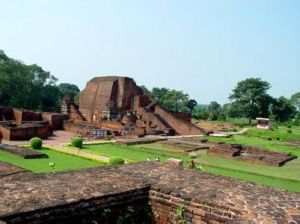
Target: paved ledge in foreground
x,y
27,196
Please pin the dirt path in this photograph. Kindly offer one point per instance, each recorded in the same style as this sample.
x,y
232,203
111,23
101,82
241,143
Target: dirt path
x,y
81,153
61,138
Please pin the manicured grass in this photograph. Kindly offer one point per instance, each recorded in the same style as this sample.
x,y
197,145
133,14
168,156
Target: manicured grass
x,y
281,133
259,142
129,153
62,161
286,177
289,171
265,180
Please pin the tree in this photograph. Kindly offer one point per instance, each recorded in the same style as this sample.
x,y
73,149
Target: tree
x,y
282,109
200,112
159,93
191,105
295,100
26,86
251,99
213,110
67,89
175,100
172,100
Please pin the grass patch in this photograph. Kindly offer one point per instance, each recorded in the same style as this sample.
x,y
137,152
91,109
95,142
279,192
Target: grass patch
x,y
281,133
285,177
265,180
128,153
62,161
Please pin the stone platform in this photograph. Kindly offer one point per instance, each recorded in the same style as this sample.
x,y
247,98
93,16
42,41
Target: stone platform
x,y
66,197
22,151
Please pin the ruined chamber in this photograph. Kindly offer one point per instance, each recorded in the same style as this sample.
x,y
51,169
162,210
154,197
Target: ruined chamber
x,y
117,104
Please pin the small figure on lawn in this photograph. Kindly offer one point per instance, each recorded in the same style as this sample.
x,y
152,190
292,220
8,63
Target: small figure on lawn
x,y
192,164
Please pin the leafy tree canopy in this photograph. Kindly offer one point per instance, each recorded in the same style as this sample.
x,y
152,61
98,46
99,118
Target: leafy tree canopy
x,y
251,99
27,86
295,100
68,89
283,109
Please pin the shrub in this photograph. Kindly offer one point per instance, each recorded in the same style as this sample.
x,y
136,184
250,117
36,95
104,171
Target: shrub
x,y
289,131
76,142
115,161
193,155
36,143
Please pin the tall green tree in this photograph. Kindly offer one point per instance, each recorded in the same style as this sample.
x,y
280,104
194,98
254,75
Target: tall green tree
x,y
175,101
283,109
214,110
191,104
68,90
251,99
295,100
159,93
25,86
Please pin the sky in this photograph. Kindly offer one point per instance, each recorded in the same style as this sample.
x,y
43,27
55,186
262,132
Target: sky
x,y
200,47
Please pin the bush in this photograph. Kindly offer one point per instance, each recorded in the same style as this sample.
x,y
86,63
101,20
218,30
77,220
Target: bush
x,y
76,142
289,131
193,155
115,161
36,143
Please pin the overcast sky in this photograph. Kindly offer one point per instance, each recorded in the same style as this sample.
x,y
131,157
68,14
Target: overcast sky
x,y
201,47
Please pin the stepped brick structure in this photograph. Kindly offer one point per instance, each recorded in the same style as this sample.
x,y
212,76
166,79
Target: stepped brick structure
x,y
118,104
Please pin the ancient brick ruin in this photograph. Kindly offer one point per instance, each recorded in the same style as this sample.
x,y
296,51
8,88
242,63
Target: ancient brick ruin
x,y
18,124
23,152
250,154
119,105
147,192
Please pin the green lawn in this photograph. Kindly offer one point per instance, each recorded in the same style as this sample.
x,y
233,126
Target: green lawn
x,y
281,132
129,153
289,171
62,161
285,177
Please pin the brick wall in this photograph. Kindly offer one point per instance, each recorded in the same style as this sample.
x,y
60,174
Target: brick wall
x,y
26,115
55,120
126,207
183,116
6,113
25,133
174,208
181,127
166,193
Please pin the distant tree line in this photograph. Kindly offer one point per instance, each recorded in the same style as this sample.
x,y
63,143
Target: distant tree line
x,y
248,99
30,86
172,100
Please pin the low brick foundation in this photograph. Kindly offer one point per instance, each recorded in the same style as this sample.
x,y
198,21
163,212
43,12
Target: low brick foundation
x,y
249,154
172,208
22,151
146,192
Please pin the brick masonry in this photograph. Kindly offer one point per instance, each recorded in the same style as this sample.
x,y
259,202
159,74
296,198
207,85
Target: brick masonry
x,y
126,96
18,124
173,193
